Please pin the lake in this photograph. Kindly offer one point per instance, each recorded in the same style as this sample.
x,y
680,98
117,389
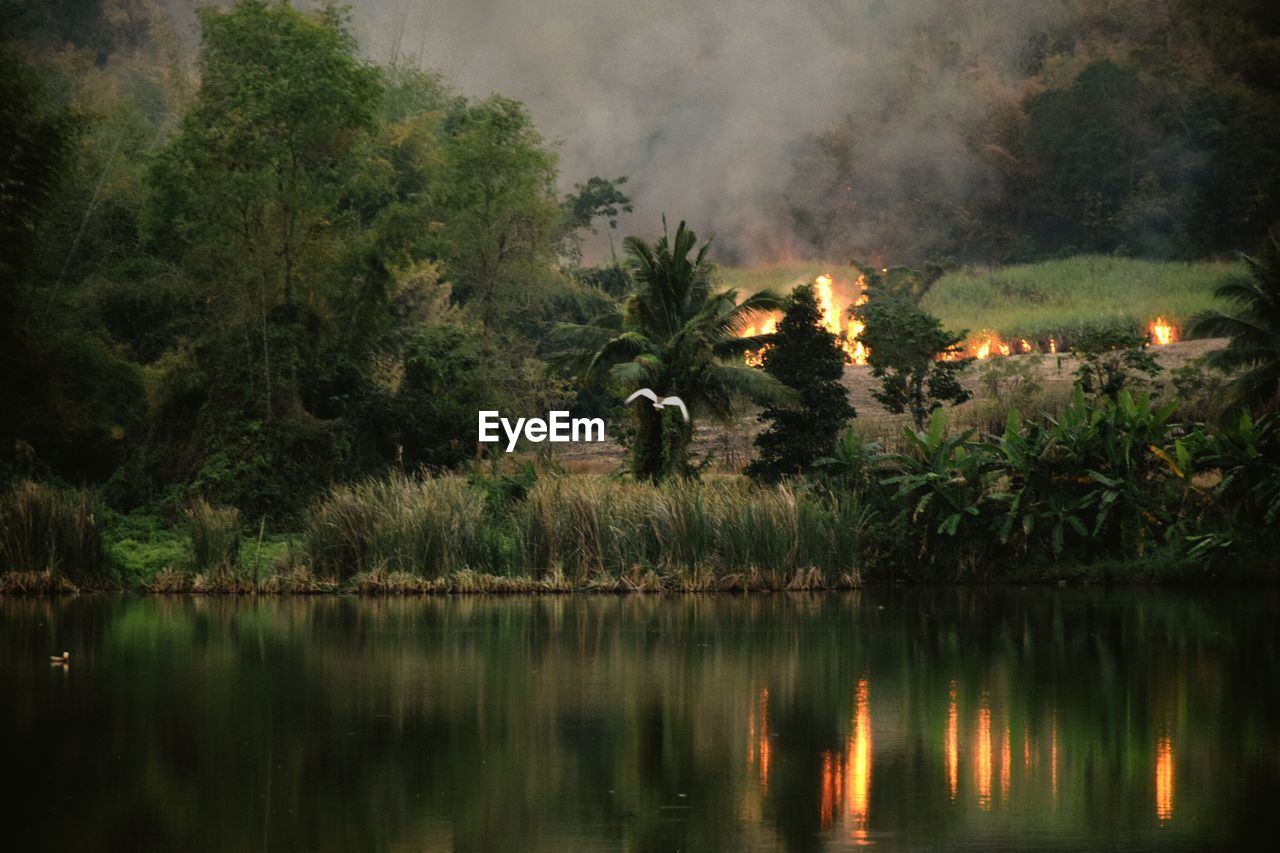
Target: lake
x,y
898,718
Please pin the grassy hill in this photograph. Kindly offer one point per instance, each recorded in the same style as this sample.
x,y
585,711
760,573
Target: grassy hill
x,y
1056,297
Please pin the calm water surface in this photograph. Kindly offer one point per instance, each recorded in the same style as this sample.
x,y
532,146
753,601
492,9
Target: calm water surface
x,y
973,718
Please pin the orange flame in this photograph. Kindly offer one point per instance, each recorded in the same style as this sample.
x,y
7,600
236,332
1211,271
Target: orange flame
x,y
987,344
830,314
1162,332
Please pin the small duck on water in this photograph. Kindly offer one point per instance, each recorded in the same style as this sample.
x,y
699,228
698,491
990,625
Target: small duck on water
x,y
63,658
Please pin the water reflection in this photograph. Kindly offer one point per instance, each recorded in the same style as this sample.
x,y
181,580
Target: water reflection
x,y
1053,757
1164,777
860,764
758,736
599,722
1006,764
984,755
953,742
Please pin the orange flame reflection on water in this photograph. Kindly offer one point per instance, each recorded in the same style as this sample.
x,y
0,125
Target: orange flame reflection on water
x,y
1006,763
953,748
1164,778
984,756
859,751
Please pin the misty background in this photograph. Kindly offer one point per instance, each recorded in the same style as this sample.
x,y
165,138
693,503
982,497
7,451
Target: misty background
x,y
706,106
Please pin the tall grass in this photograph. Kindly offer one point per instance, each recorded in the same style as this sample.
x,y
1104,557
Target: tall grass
x,y
422,527
215,540
1062,298
52,531
588,529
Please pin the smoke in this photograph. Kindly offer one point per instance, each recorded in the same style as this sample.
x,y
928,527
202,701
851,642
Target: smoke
x,y
707,104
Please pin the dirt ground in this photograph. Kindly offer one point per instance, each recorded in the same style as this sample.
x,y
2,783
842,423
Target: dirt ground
x,y
729,446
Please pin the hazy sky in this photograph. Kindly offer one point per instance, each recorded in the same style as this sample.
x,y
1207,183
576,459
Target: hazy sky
x,y
702,104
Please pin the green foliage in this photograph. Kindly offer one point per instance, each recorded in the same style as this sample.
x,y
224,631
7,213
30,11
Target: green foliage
x,y
916,360
501,216
1113,359
1253,325
806,357
1242,509
33,151
1106,480
140,546
676,336
940,481
450,373
1096,472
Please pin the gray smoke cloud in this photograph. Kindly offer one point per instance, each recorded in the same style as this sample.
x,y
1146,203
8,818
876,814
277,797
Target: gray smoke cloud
x,y
703,104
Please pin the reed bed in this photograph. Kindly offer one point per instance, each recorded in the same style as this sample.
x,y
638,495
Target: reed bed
x,y
441,534
51,532
215,541
425,528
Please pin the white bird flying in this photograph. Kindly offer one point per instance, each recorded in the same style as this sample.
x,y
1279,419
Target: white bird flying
x,y
661,404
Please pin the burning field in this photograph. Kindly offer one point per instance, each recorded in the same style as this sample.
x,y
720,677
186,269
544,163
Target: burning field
x,y
837,297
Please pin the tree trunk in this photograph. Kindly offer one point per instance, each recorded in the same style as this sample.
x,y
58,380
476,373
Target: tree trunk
x,y
647,456
676,436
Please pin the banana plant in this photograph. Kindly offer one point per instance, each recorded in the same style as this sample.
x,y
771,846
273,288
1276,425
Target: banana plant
x,y
1039,486
940,484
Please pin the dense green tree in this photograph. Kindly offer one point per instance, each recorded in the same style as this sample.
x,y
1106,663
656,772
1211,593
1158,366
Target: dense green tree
x,y
501,217
916,360
245,194
677,336
68,400
806,357
1253,324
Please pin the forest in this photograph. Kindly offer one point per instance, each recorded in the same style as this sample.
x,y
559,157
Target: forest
x,y
254,293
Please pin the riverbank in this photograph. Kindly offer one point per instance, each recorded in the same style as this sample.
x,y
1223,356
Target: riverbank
x,y
1109,490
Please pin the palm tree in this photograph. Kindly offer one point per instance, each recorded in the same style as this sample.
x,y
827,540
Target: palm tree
x,y
673,334
1253,325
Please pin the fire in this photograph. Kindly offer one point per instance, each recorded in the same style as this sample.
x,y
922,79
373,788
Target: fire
x,y
831,314
987,344
770,325
1162,332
